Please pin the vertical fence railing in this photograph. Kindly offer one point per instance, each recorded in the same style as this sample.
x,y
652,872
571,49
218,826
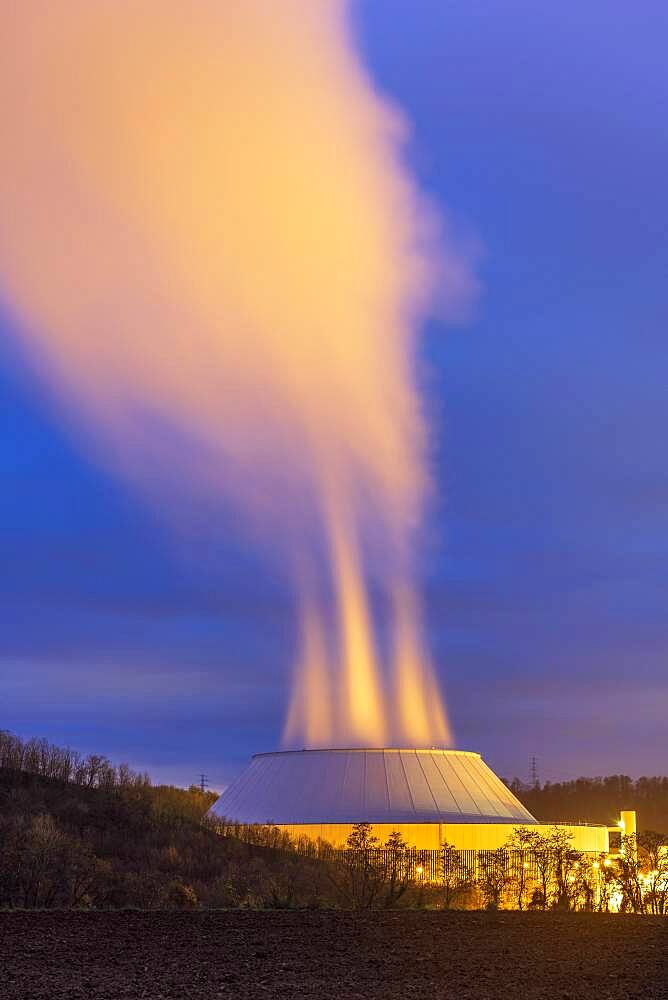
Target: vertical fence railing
x,y
431,865
428,865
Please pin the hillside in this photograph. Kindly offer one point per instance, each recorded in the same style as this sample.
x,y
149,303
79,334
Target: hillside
x,y
599,800
111,839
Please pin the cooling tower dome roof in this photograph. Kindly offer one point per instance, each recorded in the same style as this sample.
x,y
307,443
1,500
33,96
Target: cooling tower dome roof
x,y
374,786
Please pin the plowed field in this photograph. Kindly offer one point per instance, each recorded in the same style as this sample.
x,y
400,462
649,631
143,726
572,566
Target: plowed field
x,y
337,955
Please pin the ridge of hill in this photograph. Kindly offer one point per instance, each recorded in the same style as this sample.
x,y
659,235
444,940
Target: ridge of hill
x,y
598,800
63,844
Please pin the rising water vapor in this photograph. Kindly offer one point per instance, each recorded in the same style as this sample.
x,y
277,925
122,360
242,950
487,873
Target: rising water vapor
x,y
219,259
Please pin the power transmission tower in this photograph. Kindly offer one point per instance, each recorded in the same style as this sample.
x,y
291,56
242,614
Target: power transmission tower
x,y
203,783
535,783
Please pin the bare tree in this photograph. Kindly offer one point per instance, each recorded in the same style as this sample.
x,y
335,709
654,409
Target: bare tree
x,y
455,875
567,864
397,869
520,844
38,756
493,876
543,862
654,851
358,876
628,874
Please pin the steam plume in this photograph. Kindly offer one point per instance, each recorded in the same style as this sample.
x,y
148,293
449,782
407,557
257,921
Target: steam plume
x,y
208,236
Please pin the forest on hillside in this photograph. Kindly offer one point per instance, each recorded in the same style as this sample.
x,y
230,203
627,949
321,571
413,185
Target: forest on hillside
x,y
78,831
598,800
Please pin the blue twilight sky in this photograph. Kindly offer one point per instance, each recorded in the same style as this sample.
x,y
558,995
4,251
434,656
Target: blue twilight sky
x,y
542,129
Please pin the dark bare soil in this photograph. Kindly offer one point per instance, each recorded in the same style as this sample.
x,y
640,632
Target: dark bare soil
x,y
298,955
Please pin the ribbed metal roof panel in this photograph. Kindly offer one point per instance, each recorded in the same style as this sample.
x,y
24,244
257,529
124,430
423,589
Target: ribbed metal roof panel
x,y
375,786
401,803
446,803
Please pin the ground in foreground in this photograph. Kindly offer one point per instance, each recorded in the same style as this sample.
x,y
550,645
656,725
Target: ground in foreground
x,y
300,955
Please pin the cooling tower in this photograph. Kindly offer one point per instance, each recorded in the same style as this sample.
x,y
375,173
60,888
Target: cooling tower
x,y
429,796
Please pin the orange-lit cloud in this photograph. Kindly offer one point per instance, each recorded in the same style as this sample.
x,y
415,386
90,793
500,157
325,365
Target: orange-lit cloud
x,y
218,258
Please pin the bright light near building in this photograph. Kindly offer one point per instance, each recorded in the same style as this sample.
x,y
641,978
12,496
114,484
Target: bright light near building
x,y
615,901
